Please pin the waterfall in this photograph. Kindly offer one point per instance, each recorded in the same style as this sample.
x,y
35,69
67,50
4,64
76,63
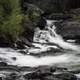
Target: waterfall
x,y
43,41
49,36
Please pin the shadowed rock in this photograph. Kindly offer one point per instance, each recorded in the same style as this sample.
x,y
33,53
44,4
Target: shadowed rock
x,y
69,30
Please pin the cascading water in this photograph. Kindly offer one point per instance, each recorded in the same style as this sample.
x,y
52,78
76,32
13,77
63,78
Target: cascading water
x,y
44,40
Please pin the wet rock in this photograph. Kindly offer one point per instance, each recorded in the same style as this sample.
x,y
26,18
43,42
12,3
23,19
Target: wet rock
x,y
3,64
42,23
39,73
47,73
14,58
69,29
66,76
57,16
20,45
12,76
39,76
23,52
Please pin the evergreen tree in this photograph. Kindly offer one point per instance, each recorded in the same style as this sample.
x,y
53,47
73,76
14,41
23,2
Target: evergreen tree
x,y
10,19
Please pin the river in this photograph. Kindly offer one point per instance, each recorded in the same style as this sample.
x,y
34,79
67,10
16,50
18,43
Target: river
x,y
45,42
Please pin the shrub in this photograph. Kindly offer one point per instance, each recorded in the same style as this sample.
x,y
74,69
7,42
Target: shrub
x,y
10,19
33,14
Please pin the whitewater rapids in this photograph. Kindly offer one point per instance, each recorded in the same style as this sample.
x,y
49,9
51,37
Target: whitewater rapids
x,y
41,41
8,54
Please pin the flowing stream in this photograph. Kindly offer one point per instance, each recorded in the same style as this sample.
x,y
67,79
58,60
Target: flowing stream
x,y
45,42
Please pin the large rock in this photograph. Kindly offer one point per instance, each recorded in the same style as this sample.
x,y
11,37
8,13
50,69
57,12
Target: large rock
x,y
65,76
68,29
48,73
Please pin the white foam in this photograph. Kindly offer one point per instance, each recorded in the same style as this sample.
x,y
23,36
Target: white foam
x,y
28,60
50,36
42,36
32,61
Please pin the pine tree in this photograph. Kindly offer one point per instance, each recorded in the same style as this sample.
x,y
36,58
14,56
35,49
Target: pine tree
x,y
10,19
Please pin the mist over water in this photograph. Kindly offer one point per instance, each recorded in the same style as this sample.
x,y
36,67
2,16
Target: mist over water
x,y
44,40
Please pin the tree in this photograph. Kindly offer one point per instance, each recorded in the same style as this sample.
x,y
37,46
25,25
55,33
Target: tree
x,y
10,20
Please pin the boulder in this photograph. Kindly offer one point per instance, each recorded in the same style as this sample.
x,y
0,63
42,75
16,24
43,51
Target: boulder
x,y
57,16
23,43
3,64
68,29
65,76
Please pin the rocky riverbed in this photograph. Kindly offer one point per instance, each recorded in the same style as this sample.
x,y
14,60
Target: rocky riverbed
x,y
50,58
40,40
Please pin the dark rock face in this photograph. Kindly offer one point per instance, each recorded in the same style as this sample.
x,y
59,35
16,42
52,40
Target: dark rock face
x,y
58,16
68,29
55,9
66,76
3,64
47,74
51,6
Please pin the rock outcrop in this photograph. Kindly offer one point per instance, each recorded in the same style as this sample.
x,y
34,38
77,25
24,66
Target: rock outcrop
x,y
69,29
39,73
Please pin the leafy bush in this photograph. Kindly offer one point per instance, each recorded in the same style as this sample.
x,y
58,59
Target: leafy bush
x,y
10,19
33,14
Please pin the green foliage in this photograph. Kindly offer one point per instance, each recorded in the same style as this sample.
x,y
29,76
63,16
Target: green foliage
x,y
33,14
10,19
